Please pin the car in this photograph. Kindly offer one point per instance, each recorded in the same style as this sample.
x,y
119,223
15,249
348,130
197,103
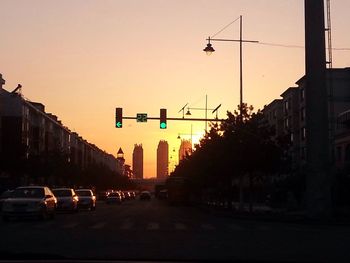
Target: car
x,y
29,201
122,195
87,199
163,194
114,198
127,195
133,195
67,200
145,195
5,195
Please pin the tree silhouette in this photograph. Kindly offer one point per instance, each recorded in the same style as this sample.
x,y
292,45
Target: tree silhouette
x,y
240,149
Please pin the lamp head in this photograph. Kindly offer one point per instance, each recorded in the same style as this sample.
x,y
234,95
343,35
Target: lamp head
x,y
188,112
209,49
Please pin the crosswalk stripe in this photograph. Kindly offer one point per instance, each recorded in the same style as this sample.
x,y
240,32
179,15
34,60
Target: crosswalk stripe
x,y
180,226
153,226
98,225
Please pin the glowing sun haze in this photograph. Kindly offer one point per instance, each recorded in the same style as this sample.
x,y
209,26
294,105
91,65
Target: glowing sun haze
x,y
84,58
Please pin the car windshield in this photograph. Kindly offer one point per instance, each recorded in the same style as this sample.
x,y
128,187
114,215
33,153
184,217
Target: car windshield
x,y
28,193
83,193
62,192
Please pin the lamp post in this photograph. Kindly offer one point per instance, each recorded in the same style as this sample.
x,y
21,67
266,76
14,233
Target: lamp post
x,y
188,113
209,50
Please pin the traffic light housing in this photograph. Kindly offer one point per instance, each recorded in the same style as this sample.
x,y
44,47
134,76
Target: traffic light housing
x,y
119,117
162,119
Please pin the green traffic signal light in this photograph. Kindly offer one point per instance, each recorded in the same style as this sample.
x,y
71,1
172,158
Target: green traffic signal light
x,y
162,119
118,117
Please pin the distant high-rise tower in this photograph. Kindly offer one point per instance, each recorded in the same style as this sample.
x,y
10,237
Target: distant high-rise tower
x,y
185,149
162,159
137,161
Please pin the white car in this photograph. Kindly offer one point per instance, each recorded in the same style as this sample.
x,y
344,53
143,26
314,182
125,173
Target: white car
x,y
67,200
30,201
87,199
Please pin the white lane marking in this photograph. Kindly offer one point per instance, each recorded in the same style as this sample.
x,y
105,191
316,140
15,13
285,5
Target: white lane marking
x,y
180,226
98,225
152,226
126,225
208,226
70,225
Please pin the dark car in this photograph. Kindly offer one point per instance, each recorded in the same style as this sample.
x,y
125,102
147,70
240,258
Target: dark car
x,y
145,195
87,199
163,194
114,198
67,200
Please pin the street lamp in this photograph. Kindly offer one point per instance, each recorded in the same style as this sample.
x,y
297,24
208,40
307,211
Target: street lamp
x,y
188,113
209,50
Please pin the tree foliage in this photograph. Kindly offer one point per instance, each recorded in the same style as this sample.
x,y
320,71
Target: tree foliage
x,y
242,144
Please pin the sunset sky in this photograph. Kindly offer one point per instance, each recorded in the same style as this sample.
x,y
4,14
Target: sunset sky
x,y
84,58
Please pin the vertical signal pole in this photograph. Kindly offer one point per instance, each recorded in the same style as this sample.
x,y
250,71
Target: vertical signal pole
x,y
318,182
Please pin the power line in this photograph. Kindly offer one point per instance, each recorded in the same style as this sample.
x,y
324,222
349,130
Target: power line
x,y
224,28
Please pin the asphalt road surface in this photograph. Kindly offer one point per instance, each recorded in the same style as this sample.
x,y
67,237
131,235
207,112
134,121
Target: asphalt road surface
x,y
152,230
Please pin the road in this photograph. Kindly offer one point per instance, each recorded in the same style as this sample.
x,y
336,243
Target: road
x,y
152,230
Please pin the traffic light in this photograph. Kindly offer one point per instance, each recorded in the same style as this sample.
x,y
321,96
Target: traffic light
x,y
119,117
163,119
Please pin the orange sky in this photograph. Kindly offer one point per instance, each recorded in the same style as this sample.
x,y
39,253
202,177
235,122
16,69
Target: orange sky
x,y
84,58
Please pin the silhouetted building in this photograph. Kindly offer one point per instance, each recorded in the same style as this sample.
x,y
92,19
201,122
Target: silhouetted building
x,y
162,159
29,134
287,115
137,161
185,149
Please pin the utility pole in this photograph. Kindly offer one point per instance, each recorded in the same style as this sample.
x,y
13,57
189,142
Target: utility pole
x,y
318,181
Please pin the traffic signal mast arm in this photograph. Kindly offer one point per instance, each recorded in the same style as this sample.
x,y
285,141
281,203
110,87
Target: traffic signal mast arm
x,y
176,119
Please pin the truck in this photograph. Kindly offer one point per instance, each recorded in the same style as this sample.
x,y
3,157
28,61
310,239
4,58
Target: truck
x,y
178,190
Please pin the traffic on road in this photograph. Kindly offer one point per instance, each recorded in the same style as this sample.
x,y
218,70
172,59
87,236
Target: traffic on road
x,y
42,203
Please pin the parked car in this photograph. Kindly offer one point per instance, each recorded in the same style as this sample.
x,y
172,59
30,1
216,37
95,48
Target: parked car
x,y
87,199
114,198
5,195
30,201
145,195
67,200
